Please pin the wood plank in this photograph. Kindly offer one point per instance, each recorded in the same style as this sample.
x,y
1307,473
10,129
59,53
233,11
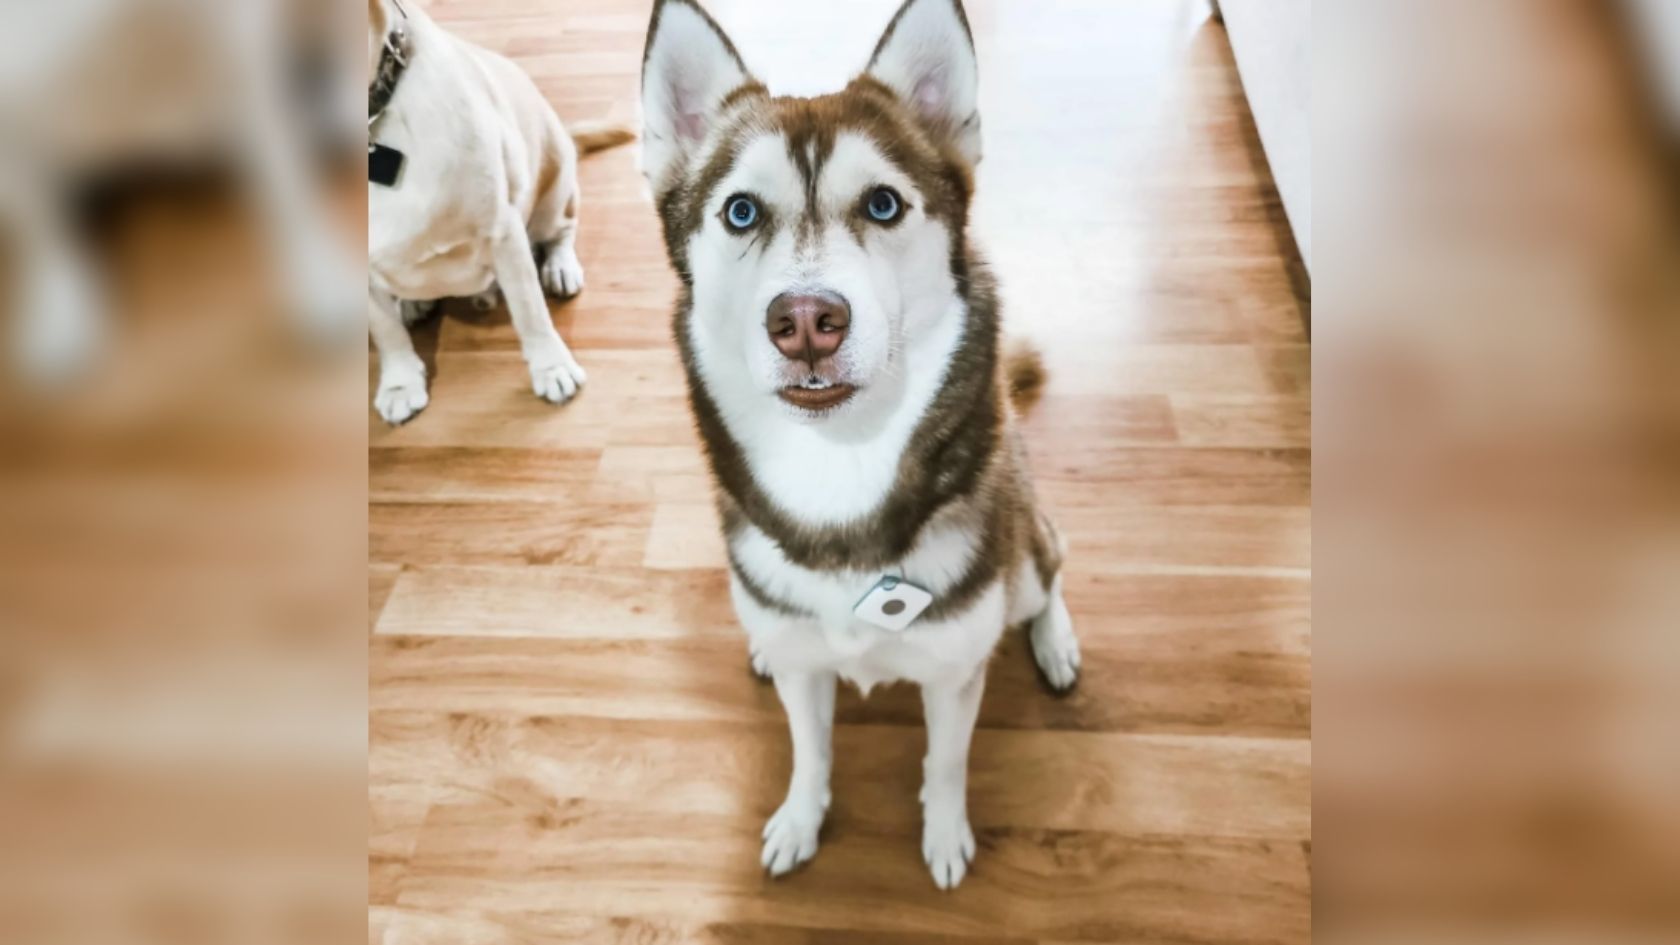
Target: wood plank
x,y
615,603
1095,474
381,578
411,926
558,532
586,859
1242,421
1163,653
483,398
685,535
455,474
1107,781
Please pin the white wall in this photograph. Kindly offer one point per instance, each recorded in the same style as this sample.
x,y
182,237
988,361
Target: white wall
x,y
1658,24
1272,40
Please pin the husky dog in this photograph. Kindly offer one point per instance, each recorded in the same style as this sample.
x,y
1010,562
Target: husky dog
x,y
841,342
479,191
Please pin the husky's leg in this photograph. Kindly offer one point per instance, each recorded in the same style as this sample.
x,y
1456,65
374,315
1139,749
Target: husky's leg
x,y
555,374
1055,648
790,837
807,694
947,841
1039,591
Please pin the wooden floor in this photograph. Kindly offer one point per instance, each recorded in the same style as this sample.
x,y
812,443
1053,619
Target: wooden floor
x,y
565,742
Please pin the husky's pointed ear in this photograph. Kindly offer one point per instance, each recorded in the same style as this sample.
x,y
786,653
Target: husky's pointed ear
x,y
689,66
927,57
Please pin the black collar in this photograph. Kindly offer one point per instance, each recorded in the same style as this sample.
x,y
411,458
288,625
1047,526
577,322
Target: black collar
x,y
393,61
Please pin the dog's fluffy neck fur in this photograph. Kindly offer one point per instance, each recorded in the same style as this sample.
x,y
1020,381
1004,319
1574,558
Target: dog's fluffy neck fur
x,y
857,495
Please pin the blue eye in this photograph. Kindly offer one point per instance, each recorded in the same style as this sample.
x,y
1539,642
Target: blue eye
x,y
741,212
884,205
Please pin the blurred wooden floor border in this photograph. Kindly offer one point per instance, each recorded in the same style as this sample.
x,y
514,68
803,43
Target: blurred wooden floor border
x,y
565,742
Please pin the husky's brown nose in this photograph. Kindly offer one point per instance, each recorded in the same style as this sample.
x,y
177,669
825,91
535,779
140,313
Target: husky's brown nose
x,y
808,327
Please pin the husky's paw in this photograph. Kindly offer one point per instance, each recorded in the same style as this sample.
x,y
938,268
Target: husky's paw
x,y
562,274
557,380
402,394
415,312
790,837
947,844
760,666
1055,648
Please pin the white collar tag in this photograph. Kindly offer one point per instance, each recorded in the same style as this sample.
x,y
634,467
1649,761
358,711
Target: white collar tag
x,y
892,604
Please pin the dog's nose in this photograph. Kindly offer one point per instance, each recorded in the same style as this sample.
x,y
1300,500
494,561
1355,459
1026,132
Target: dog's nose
x,y
808,327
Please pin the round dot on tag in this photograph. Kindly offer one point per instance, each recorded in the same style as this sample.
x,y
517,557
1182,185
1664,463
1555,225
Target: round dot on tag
x,y
893,607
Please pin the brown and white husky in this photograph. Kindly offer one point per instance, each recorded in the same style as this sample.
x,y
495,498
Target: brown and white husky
x,y
841,341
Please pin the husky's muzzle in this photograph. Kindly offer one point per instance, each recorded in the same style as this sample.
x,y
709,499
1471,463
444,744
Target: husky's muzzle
x,y
808,329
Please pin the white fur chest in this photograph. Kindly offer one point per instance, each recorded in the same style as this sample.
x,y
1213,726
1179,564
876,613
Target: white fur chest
x,y
835,639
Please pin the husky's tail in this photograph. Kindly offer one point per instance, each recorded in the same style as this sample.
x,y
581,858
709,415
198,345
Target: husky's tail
x,y
593,136
1024,373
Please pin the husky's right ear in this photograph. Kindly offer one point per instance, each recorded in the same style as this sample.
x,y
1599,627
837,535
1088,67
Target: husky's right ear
x,y
688,68
927,57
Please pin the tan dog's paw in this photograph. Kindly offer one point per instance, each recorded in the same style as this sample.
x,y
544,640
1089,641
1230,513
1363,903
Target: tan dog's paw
x,y
562,274
58,341
558,381
399,401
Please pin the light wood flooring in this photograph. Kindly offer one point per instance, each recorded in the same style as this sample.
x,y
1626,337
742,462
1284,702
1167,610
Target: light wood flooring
x,y
565,742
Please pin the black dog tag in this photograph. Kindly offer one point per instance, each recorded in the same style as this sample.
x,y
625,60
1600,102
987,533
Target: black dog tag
x,y
384,165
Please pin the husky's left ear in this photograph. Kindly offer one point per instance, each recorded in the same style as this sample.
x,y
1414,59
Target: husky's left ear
x,y
688,68
927,57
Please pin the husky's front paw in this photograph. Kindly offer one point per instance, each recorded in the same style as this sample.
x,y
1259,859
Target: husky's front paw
x,y
562,273
760,665
947,844
790,837
1055,648
557,381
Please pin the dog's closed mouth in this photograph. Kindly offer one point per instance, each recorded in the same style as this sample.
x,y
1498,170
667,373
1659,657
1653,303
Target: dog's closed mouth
x,y
817,399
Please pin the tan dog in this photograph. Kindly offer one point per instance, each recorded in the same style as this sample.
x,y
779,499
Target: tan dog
x,y
100,91
480,192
